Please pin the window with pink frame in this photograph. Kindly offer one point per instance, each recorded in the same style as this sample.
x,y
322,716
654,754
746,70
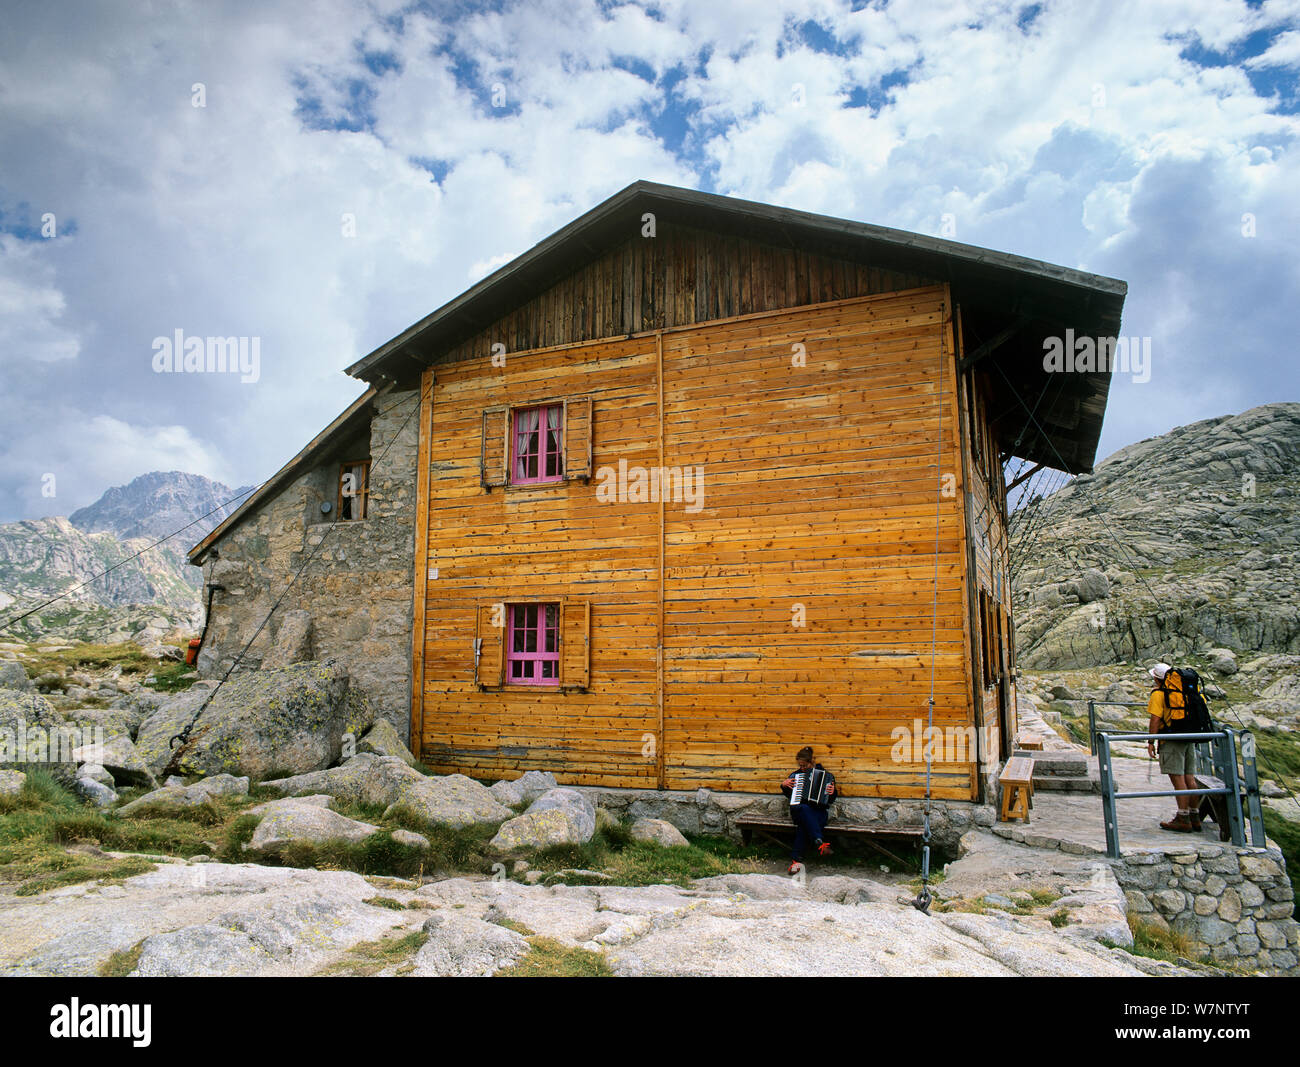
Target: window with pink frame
x,y
537,445
533,645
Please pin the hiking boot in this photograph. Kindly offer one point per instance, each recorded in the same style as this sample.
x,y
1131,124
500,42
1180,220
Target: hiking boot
x,y
794,868
1179,824
1195,816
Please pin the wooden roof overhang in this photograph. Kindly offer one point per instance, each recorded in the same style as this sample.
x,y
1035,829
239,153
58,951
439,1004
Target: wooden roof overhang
x,y
1045,417
350,420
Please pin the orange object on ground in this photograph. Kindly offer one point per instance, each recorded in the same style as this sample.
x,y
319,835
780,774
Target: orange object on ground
x,y
192,653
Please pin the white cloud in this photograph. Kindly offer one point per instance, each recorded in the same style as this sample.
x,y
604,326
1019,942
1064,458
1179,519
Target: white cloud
x,y
31,305
229,219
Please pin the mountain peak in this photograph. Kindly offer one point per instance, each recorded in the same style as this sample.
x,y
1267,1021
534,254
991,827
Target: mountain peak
x,y
155,504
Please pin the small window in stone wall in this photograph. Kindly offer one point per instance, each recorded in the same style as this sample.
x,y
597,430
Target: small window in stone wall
x,y
354,490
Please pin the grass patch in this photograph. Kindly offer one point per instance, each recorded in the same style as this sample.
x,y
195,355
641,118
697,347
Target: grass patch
x,y
370,957
377,854
109,869
385,902
1287,836
612,852
1157,944
1276,754
40,827
122,962
548,958
171,676
130,657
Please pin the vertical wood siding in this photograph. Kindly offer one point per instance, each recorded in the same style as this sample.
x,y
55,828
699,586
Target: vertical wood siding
x,y
819,486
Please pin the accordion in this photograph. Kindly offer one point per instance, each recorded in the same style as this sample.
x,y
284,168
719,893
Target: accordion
x,y
810,787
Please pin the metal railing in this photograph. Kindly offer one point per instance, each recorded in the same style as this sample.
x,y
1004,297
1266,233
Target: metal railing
x,y
1092,719
1223,747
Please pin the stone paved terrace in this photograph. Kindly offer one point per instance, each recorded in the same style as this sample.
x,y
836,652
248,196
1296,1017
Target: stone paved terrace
x,y
1235,903
1073,822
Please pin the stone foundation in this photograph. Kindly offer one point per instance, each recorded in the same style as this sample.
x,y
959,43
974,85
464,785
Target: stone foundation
x,y
704,811
1237,904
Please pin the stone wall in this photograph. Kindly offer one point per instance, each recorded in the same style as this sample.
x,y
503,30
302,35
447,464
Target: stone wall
x,y
703,811
357,588
1235,903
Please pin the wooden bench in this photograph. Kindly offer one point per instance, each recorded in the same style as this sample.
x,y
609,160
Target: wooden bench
x,y
749,825
1017,781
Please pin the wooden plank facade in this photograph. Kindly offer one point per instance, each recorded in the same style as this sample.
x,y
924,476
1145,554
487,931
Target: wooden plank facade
x,y
809,595
699,481
826,406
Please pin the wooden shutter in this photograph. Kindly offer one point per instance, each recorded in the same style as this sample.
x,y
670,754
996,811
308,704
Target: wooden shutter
x,y
577,438
494,452
490,646
575,644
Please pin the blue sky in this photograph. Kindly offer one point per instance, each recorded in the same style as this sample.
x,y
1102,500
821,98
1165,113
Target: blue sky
x,y
1153,142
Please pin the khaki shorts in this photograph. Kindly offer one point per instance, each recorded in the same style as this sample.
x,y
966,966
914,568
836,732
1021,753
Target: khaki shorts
x,y
1178,757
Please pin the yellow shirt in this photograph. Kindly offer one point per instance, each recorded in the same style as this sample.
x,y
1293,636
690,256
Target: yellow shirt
x,y
1157,706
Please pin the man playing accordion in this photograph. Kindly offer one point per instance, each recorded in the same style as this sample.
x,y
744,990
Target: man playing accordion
x,y
811,789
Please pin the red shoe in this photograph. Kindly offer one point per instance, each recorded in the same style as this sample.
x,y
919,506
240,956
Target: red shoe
x,y
794,868
824,849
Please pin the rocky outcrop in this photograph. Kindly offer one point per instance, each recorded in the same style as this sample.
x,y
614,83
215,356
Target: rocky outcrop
x,y
537,830
154,734
571,803
658,832
365,778
243,919
290,718
460,946
451,800
557,817
188,796
34,736
382,740
117,756
14,676
525,789
1174,546
286,822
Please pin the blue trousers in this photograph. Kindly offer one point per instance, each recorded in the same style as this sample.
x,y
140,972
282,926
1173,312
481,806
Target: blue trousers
x,y
810,827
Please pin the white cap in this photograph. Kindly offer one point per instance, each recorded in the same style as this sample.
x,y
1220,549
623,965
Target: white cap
x,y
1159,671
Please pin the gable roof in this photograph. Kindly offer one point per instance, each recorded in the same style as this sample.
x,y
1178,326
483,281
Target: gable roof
x,y
993,288
353,417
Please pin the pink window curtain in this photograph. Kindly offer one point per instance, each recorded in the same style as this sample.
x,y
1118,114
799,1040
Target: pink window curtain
x,y
526,423
554,441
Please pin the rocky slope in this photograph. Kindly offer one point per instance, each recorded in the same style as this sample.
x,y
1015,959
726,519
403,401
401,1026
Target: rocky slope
x,y
223,919
152,595
1174,546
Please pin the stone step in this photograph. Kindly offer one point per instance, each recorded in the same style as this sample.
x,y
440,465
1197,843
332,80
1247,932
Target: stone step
x,y
1067,765
1051,783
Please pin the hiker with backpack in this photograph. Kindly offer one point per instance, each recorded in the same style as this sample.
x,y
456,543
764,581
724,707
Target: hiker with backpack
x,y
1177,707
